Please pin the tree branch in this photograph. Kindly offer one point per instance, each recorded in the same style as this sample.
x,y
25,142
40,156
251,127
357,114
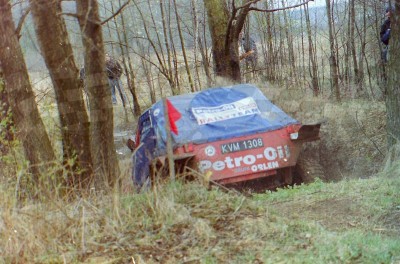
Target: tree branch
x,y
277,9
70,14
116,13
248,4
21,22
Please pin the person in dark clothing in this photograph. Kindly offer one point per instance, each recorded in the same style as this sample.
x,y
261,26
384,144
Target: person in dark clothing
x,y
385,34
114,72
249,47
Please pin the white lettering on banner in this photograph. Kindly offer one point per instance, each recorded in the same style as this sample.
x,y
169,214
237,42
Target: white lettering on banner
x,y
243,107
265,166
270,154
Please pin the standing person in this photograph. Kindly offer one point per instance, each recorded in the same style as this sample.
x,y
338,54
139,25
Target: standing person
x,y
385,34
249,47
114,72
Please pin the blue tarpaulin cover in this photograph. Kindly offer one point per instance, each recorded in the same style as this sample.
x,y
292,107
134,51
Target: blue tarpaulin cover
x,y
206,116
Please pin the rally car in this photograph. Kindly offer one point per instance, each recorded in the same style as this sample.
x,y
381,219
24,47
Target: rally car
x,y
232,134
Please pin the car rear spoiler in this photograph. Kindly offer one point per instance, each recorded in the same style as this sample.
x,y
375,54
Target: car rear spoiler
x,y
307,133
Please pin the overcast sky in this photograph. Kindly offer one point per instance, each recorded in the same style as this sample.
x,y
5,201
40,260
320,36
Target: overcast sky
x,y
317,3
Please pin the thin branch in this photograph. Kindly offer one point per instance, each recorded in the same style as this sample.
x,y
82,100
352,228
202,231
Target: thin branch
x,y
248,4
116,13
277,9
70,14
21,22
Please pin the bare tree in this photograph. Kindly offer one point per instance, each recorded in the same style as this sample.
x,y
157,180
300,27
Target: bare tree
x,y
289,40
192,87
311,54
125,47
193,4
58,55
30,128
225,23
332,59
204,49
101,111
164,66
166,43
393,84
352,43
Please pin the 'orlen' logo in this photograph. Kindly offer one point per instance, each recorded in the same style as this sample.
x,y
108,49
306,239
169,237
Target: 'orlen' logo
x,y
269,154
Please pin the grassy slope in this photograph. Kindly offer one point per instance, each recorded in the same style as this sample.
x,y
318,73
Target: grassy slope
x,y
352,221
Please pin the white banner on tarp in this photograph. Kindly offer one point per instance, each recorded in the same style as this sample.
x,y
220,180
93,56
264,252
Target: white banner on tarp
x,y
243,107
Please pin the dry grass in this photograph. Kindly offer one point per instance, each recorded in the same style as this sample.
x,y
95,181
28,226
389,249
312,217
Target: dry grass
x,y
351,221
346,222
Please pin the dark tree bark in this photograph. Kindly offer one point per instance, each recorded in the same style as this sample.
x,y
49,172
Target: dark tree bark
x,y
289,39
393,83
6,132
334,69
225,24
352,39
101,112
30,128
57,52
224,36
311,54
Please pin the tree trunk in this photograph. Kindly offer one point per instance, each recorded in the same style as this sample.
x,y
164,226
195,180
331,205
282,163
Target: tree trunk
x,y
271,57
30,128
332,59
314,69
193,4
165,67
204,52
357,74
225,48
177,89
124,46
6,132
290,47
130,75
189,74
393,84
166,43
58,55
101,111
363,44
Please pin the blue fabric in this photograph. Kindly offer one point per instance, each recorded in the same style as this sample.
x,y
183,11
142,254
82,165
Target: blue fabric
x,y
386,37
116,83
268,117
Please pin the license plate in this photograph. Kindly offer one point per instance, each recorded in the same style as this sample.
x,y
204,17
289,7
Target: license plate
x,y
242,145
